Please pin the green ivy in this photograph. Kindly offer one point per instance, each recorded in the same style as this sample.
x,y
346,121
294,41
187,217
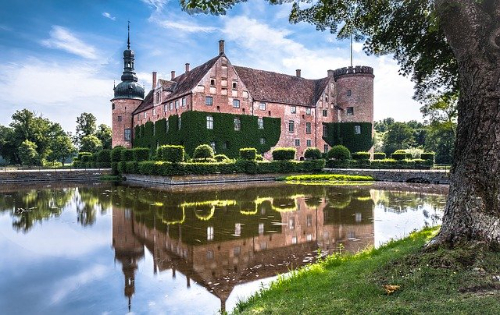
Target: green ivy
x,y
193,132
344,133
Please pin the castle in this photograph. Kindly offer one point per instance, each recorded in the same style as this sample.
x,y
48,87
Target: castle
x,y
237,107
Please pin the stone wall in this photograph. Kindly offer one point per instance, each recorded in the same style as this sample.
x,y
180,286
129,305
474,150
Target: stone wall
x,y
405,176
57,175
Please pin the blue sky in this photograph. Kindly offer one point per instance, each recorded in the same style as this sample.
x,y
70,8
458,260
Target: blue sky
x,y
59,57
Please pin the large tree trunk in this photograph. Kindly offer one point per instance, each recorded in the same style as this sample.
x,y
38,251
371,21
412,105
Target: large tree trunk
x,y
473,209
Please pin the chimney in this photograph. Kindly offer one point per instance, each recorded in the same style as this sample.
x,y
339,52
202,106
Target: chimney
x,y
172,75
187,66
297,73
330,73
154,80
221,47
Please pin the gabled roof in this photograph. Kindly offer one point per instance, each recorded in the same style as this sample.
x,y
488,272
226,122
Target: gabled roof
x,y
180,85
281,88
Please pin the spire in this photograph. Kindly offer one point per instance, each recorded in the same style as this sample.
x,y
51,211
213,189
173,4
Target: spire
x,y
128,38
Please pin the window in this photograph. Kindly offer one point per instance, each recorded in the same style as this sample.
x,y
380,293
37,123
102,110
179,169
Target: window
x,y
291,126
212,145
262,140
210,254
210,122
309,220
154,111
236,103
237,124
308,111
154,130
261,228
128,134
350,111
166,126
308,128
260,122
349,92
234,85
183,102
158,96
262,106
293,109
237,229
359,217
171,106
291,223
225,145
210,233
324,130
237,251
297,142
176,104
325,113
165,108
212,82
209,101
309,143
113,106
357,129
145,115
119,118
325,148
179,124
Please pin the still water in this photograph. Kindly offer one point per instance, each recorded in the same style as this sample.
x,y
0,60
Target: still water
x,y
106,249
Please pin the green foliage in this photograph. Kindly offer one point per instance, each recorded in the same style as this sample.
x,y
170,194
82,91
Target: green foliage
x,y
344,133
221,157
82,153
61,148
312,154
85,126
171,153
28,154
361,156
104,156
329,177
441,139
116,153
140,154
104,134
248,154
194,132
379,155
399,136
281,154
203,151
126,155
400,155
339,152
90,143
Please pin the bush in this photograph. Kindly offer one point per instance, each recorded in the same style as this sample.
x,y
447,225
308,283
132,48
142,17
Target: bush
x,y
339,152
207,160
379,155
121,167
399,156
86,158
338,163
149,167
259,157
203,151
313,165
386,163
361,156
360,163
81,154
283,154
116,154
171,153
312,154
248,154
114,168
221,158
429,156
131,167
140,154
126,155
104,156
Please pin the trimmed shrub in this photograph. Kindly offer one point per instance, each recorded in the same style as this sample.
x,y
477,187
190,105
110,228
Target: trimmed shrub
x,y
171,153
386,163
86,158
312,154
140,154
247,166
338,163
361,156
148,167
121,167
207,160
81,154
221,158
428,156
203,151
399,156
131,167
283,154
248,154
116,154
379,155
360,163
104,156
313,165
259,157
339,152
126,155
114,168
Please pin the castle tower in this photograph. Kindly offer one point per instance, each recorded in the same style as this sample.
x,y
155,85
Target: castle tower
x,y
128,95
354,89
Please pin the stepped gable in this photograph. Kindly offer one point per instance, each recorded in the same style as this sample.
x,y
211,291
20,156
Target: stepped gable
x,y
281,88
180,85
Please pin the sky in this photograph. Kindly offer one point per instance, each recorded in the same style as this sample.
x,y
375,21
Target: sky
x,y
60,58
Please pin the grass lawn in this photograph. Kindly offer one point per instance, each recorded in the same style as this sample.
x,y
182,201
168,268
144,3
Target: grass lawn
x,y
462,281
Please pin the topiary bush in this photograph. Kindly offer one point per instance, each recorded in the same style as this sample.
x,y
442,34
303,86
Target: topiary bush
x,y
140,154
171,153
312,154
428,156
126,155
259,157
339,152
398,156
248,154
379,155
361,156
116,154
221,158
104,156
283,154
203,151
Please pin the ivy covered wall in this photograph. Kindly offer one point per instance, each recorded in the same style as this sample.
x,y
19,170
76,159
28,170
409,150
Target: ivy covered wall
x,y
344,133
190,130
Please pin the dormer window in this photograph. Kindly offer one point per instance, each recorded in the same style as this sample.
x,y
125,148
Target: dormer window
x,y
235,84
212,82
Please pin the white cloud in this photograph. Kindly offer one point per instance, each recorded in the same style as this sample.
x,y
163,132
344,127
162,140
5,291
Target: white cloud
x,y
62,38
109,16
157,4
60,91
185,26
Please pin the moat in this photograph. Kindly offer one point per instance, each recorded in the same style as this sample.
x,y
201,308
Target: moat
x,y
111,249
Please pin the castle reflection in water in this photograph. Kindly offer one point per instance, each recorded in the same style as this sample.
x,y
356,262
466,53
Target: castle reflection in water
x,y
220,239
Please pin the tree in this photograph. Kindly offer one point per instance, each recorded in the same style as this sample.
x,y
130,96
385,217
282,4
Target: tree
x,y
61,148
28,154
36,129
85,126
90,144
446,46
103,133
8,149
399,136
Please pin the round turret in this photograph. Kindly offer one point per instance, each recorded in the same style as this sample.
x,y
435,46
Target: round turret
x,y
129,90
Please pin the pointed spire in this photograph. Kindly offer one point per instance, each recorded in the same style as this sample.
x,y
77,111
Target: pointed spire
x,y
128,38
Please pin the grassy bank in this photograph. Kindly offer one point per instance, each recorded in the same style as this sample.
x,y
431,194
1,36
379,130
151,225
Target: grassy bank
x,y
327,178
465,281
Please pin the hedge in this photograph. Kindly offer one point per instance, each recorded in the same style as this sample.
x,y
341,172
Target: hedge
x,y
312,154
104,156
399,156
428,156
140,154
248,153
81,154
116,154
344,133
171,153
379,155
281,154
203,151
221,158
339,152
361,156
126,155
